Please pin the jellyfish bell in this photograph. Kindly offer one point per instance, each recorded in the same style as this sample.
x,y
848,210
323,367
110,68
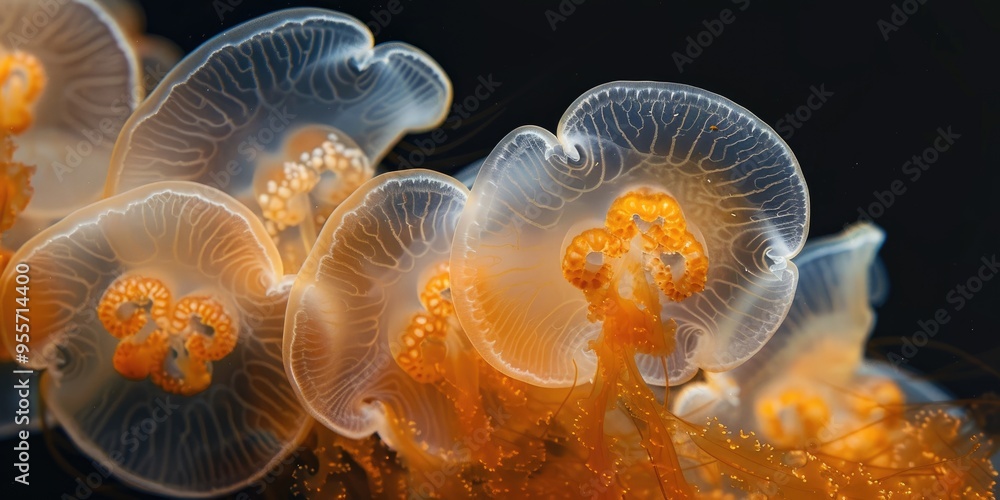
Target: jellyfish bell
x,y
831,316
61,105
287,113
467,174
671,205
157,318
67,84
860,413
371,342
648,239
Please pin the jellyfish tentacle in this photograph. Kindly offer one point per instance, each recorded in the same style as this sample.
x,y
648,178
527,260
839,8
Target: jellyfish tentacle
x,y
628,307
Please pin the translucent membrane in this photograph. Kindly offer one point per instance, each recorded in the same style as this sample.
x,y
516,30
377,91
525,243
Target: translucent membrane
x,y
89,90
371,342
831,316
736,188
157,316
238,107
467,174
873,427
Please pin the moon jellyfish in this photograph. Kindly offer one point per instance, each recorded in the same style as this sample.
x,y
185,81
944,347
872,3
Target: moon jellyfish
x,y
831,314
67,84
660,198
372,343
159,331
288,113
649,238
810,390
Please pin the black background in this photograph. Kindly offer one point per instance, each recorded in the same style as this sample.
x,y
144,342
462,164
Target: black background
x,y
889,99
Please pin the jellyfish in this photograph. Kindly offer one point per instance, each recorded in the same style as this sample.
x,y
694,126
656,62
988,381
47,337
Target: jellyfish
x,y
845,409
646,184
67,84
288,113
832,315
372,344
157,318
649,238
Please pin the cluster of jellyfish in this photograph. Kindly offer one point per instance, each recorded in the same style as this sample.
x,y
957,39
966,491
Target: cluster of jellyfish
x,y
625,308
